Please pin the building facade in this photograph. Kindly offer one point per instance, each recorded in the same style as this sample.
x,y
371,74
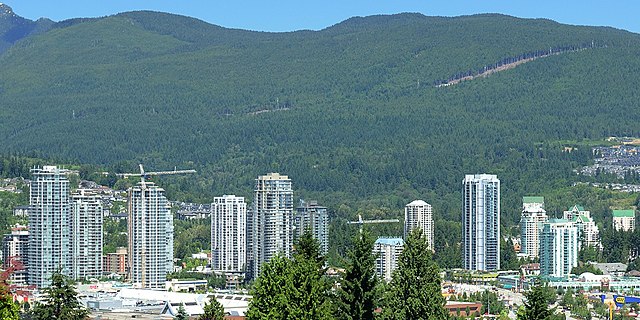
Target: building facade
x,y
49,225
228,234
481,222
588,232
86,235
558,248
116,262
272,215
418,214
531,220
15,248
314,218
624,220
150,236
387,252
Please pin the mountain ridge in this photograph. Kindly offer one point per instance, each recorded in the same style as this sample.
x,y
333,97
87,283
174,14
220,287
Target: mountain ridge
x,y
364,127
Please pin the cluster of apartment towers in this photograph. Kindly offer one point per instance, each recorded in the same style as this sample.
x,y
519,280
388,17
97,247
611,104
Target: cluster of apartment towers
x,y
66,233
556,242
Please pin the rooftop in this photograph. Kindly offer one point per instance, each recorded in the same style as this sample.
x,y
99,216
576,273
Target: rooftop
x,y
533,199
624,213
390,241
418,203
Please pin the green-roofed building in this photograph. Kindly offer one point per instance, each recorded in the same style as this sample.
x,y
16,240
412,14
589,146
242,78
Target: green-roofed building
x,y
624,220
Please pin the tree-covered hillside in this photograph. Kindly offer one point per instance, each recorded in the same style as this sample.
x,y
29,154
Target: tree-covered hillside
x,y
350,112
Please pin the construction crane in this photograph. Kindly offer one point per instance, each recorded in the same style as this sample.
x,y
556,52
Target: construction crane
x,y
361,222
143,185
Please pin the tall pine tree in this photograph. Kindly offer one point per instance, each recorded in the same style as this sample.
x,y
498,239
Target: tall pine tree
x,y
414,291
536,307
357,296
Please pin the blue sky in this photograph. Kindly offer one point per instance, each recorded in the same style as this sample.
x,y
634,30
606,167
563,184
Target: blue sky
x,y
288,15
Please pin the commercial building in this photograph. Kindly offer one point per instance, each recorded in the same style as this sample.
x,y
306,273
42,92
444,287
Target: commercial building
x,y
481,222
531,220
272,215
86,235
228,234
15,248
558,248
311,217
49,225
150,236
387,252
624,220
418,214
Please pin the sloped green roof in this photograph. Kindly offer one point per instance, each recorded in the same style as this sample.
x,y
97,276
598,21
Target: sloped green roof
x,y
579,207
624,213
532,199
581,218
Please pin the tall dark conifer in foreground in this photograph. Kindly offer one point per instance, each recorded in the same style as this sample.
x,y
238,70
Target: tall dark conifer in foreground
x,y
414,291
536,307
357,296
61,301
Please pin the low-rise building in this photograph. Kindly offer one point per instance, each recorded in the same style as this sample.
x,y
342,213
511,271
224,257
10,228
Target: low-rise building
x,y
116,262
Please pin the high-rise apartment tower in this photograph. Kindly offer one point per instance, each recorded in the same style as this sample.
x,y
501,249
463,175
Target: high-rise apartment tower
x,y
49,225
150,236
418,214
481,222
272,219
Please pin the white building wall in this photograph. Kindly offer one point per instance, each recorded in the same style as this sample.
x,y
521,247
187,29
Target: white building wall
x,y
387,252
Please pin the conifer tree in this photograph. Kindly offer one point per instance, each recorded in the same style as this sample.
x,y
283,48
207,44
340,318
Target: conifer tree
x,y
357,296
536,306
212,310
414,291
61,301
182,314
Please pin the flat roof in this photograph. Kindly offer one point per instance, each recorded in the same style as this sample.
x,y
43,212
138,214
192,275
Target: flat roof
x,y
624,213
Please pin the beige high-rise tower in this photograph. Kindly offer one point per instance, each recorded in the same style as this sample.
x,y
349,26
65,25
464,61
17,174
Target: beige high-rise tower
x,y
418,214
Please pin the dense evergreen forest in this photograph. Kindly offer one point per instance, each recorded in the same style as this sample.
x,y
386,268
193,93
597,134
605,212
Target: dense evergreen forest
x,y
349,113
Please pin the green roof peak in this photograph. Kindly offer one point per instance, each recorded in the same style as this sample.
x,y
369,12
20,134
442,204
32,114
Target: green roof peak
x,y
532,199
624,213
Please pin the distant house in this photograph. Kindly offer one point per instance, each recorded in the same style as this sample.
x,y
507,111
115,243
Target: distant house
x,y
21,211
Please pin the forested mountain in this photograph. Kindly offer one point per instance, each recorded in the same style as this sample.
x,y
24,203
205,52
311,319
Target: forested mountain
x,y
350,112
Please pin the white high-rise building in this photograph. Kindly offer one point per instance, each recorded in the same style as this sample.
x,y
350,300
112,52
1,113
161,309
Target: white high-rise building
x,y
272,219
86,235
387,252
150,236
314,218
558,248
588,232
418,214
531,220
481,222
228,234
49,225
